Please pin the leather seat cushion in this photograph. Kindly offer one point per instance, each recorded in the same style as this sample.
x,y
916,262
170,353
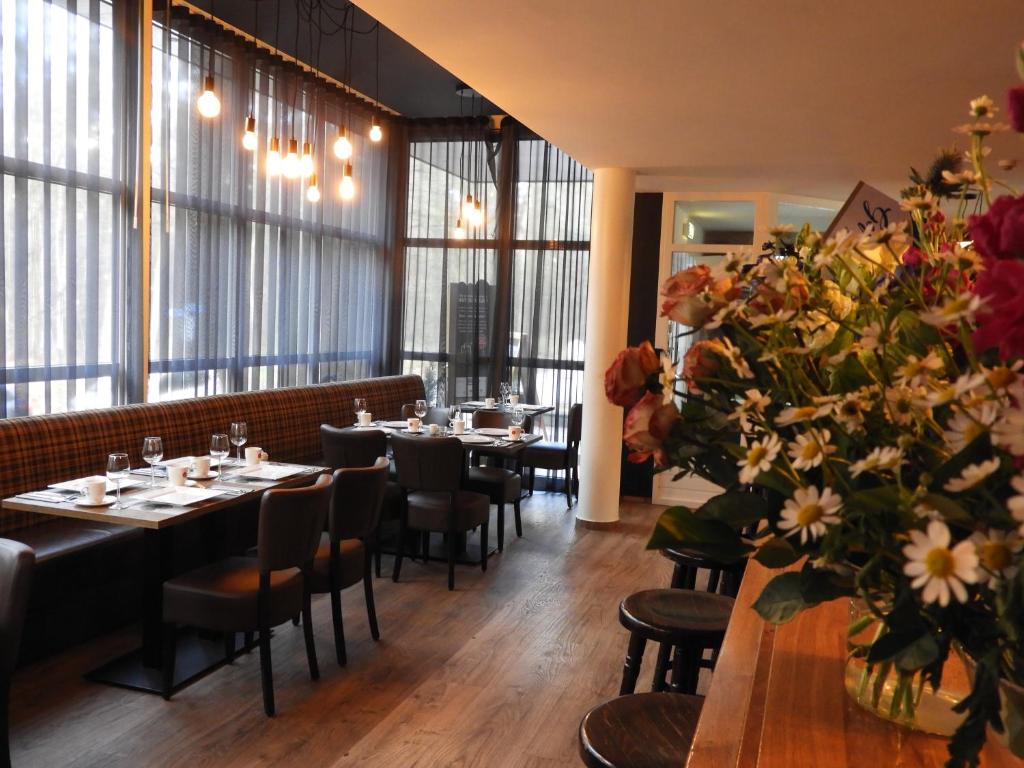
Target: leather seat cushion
x,y
428,510
501,486
65,537
223,596
351,564
544,455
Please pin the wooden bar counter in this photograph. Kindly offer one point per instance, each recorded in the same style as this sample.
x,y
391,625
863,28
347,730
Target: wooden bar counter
x,y
777,700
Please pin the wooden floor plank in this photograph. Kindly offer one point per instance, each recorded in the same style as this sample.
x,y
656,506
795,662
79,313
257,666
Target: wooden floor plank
x,y
497,673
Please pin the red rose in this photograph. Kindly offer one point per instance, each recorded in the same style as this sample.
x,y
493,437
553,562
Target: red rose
x,y
626,379
700,363
1015,107
999,233
1001,323
693,295
648,425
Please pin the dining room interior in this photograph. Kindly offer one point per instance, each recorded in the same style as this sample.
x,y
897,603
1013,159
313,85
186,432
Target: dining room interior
x,y
511,384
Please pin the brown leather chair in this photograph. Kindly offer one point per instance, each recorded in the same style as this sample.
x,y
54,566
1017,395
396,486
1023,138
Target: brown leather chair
x,y
502,486
16,563
437,416
430,471
342,559
559,456
345,448
243,594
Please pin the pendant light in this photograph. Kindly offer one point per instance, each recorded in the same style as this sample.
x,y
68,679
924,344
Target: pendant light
x,y
376,133
208,102
459,233
342,145
347,188
249,138
291,166
313,191
274,157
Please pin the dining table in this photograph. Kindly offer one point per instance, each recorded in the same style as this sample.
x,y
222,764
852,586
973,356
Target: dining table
x,y
158,508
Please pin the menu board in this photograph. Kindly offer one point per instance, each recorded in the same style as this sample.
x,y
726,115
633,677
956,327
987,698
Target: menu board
x,y
867,206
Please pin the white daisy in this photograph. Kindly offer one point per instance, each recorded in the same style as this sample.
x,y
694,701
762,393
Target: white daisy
x,y
925,203
996,554
967,424
733,354
873,336
810,449
781,316
971,476
917,369
759,458
879,458
753,402
810,513
953,310
1016,503
795,414
1008,433
938,569
851,410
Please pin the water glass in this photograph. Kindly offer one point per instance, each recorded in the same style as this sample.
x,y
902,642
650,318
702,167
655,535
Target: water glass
x,y
420,408
505,390
518,416
219,449
152,452
239,436
453,413
118,469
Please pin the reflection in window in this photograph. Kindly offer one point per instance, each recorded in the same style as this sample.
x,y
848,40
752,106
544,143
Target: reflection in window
x,y
715,222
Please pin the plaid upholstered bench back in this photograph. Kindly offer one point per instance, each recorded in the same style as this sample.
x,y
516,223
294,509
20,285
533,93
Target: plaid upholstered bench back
x,y
38,450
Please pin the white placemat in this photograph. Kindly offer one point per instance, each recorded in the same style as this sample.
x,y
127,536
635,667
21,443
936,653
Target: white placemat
x,y
269,471
476,439
79,484
179,495
492,431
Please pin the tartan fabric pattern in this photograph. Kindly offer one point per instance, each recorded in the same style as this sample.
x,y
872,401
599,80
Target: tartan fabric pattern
x,y
38,450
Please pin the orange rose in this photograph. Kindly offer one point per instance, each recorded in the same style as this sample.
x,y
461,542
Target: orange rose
x,y
648,425
700,363
693,295
626,378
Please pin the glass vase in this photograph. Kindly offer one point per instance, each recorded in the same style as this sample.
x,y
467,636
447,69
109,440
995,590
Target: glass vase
x,y
1011,710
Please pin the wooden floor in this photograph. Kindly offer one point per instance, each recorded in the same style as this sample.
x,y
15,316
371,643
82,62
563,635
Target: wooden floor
x,y
497,673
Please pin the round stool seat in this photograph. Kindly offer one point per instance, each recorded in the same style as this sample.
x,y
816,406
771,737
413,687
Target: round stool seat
x,y
642,730
691,558
672,615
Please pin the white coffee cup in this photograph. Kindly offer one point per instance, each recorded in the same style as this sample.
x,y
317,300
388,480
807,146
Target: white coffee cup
x,y
252,455
365,419
489,402
95,490
413,424
435,429
515,433
459,427
513,399
176,474
201,466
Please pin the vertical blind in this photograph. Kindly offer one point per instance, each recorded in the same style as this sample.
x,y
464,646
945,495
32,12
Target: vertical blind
x,y
65,206
252,286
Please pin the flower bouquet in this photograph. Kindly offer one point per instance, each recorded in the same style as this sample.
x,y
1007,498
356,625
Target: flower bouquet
x,y
860,401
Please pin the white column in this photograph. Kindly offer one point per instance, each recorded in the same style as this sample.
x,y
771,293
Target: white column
x,y
611,245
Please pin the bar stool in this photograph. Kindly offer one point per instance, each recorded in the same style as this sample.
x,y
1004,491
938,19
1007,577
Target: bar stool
x,y
689,561
690,622
644,730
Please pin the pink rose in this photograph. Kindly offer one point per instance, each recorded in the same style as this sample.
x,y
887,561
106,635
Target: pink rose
x,y
699,363
1001,323
999,233
693,295
1015,107
648,425
626,379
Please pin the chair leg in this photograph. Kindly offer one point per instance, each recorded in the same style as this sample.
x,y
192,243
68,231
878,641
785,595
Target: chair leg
x,y
339,628
248,642
576,482
169,652
401,547
714,578
295,620
376,558
533,478
266,671
685,669
516,508
568,489
501,527
307,630
631,669
371,610
229,647
425,546
451,560
661,667
485,543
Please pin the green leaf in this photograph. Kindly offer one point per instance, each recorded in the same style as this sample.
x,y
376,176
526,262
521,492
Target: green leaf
x,y
776,553
949,509
885,497
781,599
737,509
819,585
910,652
679,526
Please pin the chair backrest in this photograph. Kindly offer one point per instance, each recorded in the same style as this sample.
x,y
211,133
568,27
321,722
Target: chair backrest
x,y
574,429
356,500
428,463
291,521
498,419
16,563
437,416
352,448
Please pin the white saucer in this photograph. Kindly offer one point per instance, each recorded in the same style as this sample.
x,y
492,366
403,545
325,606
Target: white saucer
x,y
106,502
211,476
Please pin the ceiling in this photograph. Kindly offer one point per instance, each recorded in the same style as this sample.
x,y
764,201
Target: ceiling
x,y
411,83
804,97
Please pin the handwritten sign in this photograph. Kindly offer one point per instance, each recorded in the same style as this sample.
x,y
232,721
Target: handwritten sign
x,y
866,206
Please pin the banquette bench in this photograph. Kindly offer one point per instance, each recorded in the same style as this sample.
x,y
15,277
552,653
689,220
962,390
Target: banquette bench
x,y
87,577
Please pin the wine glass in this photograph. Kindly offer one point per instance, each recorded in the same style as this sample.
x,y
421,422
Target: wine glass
x,y
219,449
505,390
238,436
152,452
117,470
453,414
420,409
360,408
518,416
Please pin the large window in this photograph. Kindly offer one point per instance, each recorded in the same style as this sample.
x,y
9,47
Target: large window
x,y
252,286
65,206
